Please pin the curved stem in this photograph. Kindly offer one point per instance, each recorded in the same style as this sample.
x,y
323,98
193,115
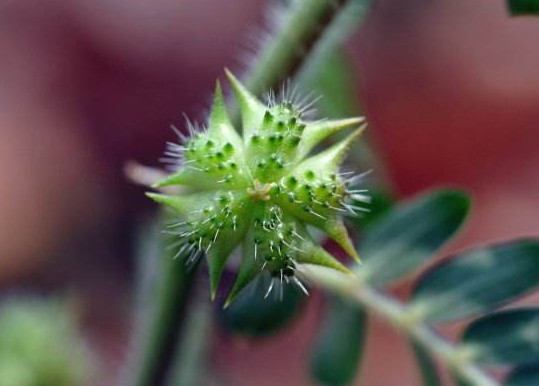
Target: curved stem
x,y
397,314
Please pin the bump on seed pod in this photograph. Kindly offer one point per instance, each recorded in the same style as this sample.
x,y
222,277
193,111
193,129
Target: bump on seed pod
x,y
261,190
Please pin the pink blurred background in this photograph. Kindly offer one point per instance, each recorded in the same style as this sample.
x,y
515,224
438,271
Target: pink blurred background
x,y
451,89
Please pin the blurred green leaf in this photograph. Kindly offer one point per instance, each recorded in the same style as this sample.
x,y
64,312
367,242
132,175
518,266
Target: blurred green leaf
x,y
380,204
523,7
336,356
427,366
335,80
41,343
460,382
523,376
337,84
505,337
477,281
409,235
253,315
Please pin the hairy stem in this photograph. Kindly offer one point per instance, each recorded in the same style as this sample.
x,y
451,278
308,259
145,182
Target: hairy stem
x,y
397,314
345,23
285,53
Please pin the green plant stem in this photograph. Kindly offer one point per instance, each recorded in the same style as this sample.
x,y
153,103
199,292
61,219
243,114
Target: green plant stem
x,y
285,53
190,367
172,301
164,290
398,315
345,23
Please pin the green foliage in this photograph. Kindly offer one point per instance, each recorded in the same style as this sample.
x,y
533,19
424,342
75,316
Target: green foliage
x,y
505,337
470,283
523,7
253,314
524,376
337,85
267,181
408,236
426,366
477,281
334,80
394,245
379,205
339,344
40,344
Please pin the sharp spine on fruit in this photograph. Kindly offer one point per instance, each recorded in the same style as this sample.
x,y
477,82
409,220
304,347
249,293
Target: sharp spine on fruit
x,y
262,190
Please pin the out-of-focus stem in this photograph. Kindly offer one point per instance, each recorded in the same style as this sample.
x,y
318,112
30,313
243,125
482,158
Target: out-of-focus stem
x,y
164,289
292,44
190,363
397,314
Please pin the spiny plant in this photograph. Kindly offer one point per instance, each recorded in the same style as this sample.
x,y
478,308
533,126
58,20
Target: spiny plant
x,y
262,189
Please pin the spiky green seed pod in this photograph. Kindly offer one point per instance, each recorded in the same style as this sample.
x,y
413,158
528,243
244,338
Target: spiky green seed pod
x,y
261,190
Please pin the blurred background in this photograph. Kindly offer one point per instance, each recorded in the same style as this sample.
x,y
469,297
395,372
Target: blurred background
x,y
450,87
